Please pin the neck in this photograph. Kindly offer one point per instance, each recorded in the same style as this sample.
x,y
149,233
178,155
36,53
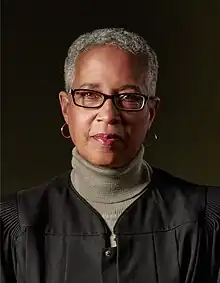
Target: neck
x,y
105,185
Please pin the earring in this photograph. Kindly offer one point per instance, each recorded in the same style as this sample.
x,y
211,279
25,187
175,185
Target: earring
x,y
155,138
62,131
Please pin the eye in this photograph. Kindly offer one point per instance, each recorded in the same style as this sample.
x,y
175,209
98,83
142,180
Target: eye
x,y
90,95
130,101
130,98
127,97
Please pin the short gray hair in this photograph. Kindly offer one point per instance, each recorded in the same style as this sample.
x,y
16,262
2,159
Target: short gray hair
x,y
119,37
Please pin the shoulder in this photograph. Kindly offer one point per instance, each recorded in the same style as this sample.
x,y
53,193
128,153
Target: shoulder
x,y
212,210
174,188
184,197
21,209
170,184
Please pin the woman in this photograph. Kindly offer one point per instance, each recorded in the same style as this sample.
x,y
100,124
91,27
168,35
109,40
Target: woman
x,y
113,218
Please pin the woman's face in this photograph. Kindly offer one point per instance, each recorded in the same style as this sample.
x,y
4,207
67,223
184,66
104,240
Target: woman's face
x,y
109,70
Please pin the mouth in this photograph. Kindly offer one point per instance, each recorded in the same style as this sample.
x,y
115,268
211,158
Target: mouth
x,y
108,139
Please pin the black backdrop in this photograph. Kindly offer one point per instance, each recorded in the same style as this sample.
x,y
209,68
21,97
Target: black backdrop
x,y
36,35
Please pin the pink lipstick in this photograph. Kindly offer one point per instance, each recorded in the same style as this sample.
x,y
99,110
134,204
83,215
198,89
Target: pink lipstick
x,y
107,139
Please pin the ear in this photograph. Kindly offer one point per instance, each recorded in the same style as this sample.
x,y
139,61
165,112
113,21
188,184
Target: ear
x,y
153,110
64,104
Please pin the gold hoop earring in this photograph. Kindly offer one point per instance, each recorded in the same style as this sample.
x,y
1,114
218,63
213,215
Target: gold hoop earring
x,y
62,131
155,138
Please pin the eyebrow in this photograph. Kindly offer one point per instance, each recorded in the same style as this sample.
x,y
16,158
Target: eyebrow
x,y
90,85
128,86
121,88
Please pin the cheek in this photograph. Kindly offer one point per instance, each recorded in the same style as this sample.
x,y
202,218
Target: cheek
x,y
138,124
79,125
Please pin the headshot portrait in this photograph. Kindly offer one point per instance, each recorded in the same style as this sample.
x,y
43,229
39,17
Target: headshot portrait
x,y
112,215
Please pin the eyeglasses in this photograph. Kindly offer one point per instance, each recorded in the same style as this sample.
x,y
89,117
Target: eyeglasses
x,y
87,98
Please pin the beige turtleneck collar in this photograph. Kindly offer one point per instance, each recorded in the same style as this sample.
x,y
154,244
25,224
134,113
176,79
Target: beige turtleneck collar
x,y
110,191
105,185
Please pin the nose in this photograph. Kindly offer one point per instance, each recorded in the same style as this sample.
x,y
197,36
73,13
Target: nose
x,y
108,113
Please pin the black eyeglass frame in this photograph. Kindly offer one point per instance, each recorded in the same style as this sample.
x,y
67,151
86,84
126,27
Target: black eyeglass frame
x,y
113,97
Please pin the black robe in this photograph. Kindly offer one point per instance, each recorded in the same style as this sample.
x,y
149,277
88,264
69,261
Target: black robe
x,y
170,234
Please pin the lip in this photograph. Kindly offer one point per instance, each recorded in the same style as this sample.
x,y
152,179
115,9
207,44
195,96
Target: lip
x,y
107,136
107,139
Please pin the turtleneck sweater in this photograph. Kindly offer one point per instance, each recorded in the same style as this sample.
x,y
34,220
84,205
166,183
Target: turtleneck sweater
x,y
110,191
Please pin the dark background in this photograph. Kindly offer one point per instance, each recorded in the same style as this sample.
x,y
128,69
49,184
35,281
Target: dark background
x,y
36,36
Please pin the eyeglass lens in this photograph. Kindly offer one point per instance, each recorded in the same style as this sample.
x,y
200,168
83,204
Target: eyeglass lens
x,y
92,99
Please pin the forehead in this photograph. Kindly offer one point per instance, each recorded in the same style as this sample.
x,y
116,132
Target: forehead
x,y
109,59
